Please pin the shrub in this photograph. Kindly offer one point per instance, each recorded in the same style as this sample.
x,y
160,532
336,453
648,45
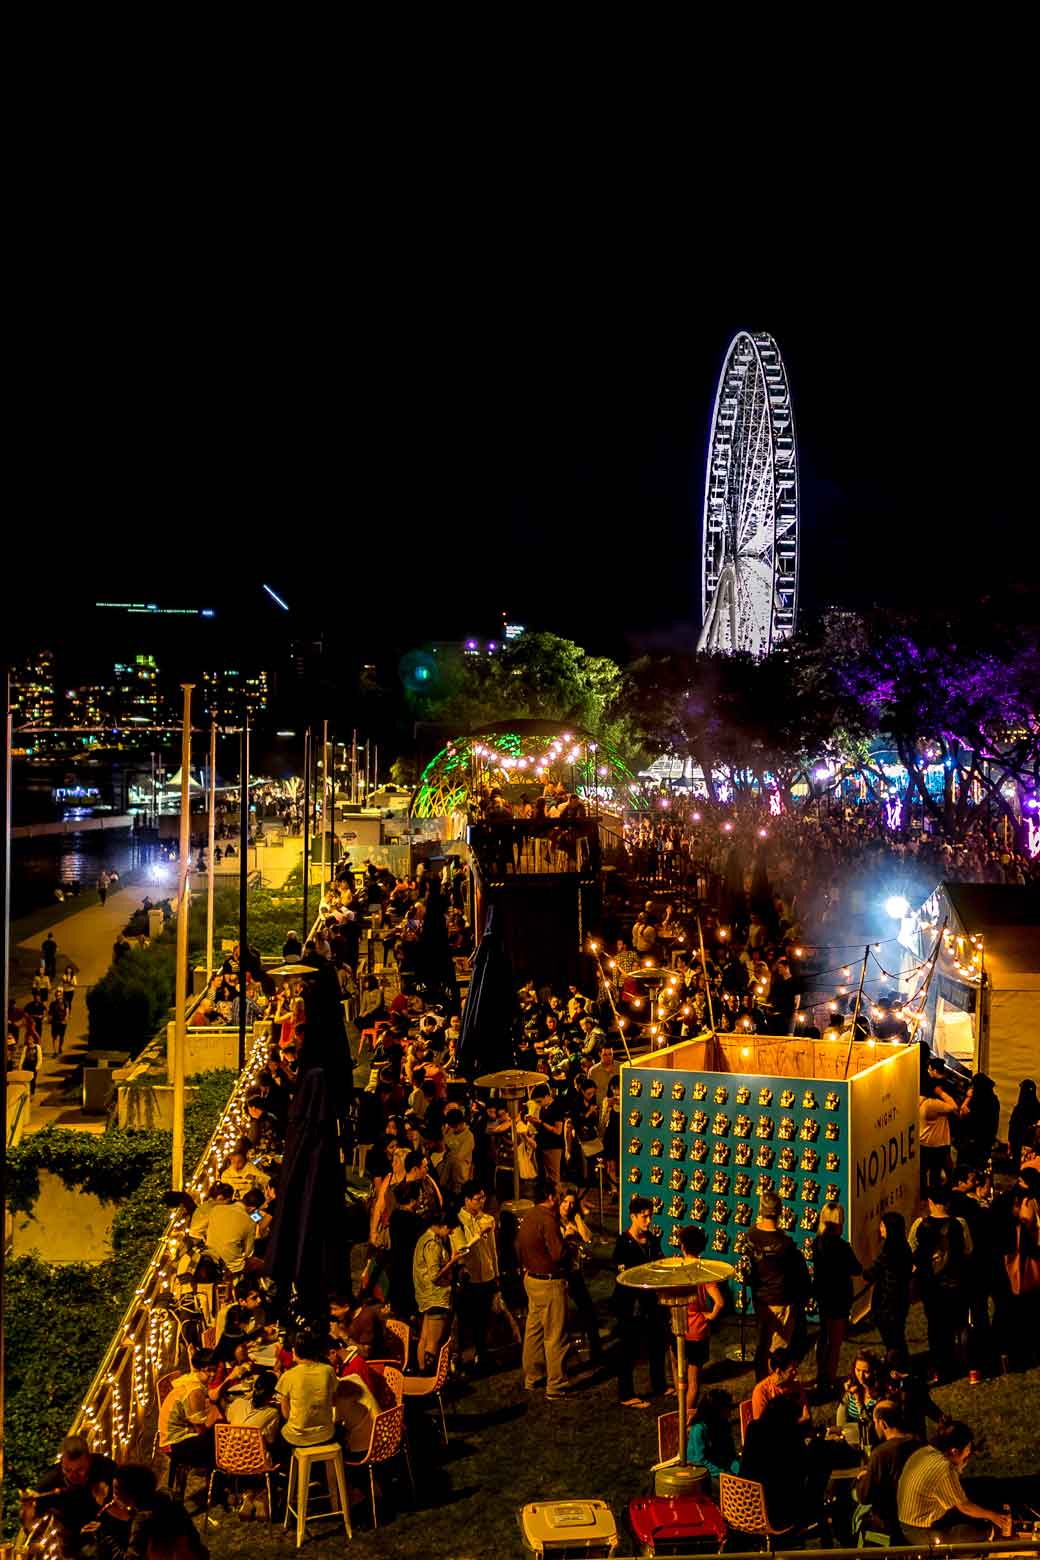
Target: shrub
x,y
58,1321
132,1000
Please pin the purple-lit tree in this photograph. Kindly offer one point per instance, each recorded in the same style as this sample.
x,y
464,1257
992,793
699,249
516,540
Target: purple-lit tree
x,y
966,699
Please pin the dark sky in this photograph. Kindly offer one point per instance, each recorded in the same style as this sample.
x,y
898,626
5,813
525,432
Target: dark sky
x,y
412,460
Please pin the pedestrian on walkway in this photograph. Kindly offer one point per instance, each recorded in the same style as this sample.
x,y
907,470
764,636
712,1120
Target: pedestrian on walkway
x,y
49,949
102,885
59,1022
31,1058
68,988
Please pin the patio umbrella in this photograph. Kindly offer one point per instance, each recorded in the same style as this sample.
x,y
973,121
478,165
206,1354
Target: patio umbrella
x,y
308,1254
486,1037
731,902
761,893
434,965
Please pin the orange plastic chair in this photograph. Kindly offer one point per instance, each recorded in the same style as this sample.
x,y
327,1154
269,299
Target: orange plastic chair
x,y
241,1453
402,1332
387,1442
395,1381
432,1386
743,1506
746,1416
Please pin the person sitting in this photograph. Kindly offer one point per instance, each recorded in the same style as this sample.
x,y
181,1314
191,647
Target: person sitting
x,y
782,1381
305,1395
257,1409
240,1173
292,947
108,1537
225,1227
878,1486
931,1504
189,1424
710,1442
67,1488
859,1394
793,1474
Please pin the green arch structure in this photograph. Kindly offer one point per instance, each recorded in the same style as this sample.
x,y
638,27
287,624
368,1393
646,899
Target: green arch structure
x,y
514,754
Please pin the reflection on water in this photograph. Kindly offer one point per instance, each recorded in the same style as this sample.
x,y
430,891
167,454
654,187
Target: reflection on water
x,y
40,865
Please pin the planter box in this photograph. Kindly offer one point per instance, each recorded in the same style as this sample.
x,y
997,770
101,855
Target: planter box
x,y
150,1105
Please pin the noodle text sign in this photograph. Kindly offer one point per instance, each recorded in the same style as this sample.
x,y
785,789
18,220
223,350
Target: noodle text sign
x,y
884,1173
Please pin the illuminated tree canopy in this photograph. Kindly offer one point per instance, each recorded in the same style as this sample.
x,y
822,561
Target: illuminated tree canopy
x,y
517,757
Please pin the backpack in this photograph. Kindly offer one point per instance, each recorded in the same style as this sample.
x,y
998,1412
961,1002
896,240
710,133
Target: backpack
x,y
941,1251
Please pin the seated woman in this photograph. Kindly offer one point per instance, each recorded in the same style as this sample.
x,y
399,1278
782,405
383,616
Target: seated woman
x,y
710,1442
361,1392
860,1393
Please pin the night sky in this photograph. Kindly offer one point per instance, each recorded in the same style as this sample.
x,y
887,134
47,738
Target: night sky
x,y
430,461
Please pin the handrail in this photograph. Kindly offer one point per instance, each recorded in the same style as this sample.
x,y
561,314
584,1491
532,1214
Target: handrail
x,y
18,1110
143,1346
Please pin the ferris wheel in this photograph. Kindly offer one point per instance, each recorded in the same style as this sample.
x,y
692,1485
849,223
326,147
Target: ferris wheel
x,y
749,572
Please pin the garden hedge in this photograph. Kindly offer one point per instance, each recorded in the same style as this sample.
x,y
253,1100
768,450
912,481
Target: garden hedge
x,y
58,1321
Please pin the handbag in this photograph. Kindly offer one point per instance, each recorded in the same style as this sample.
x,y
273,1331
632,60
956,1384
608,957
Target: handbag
x,y
1023,1267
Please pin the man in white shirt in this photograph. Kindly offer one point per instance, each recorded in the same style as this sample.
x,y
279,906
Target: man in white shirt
x,y
226,1228
475,1239
932,1505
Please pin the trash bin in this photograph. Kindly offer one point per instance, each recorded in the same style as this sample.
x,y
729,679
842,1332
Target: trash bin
x,y
155,924
566,1528
99,1086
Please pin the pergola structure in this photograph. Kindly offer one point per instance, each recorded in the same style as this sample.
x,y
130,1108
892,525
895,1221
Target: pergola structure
x,y
519,756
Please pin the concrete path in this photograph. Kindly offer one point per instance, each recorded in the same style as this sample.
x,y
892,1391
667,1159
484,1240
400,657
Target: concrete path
x,y
85,941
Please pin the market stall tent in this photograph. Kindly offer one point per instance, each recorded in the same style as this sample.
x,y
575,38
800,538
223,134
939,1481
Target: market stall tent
x,y
984,998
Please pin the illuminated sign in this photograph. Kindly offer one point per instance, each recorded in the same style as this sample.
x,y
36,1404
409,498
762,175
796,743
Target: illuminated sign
x,y
514,630
154,608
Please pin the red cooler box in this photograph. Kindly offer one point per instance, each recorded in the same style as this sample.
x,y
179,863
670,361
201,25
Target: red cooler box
x,y
676,1524
568,1529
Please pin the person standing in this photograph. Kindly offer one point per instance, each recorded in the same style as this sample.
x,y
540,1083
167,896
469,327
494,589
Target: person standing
x,y
58,1021
32,1056
432,1273
638,1311
934,1109
102,885
68,989
706,1305
941,1245
778,1280
49,950
543,1258
475,1239
891,1276
835,1265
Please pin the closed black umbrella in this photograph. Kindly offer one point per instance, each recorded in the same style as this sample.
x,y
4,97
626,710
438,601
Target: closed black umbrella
x,y
486,1037
308,1254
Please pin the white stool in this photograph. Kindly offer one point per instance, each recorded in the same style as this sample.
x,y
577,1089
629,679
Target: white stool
x,y
303,1458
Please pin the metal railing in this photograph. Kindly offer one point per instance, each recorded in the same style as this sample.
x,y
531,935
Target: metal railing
x,y
119,1408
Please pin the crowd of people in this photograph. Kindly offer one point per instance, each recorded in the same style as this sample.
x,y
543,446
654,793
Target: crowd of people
x,y
440,1249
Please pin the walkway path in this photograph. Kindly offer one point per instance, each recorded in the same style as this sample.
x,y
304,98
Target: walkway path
x,y
85,941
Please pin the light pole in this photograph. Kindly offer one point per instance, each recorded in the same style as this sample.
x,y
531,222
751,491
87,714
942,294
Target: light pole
x,y
212,843
243,887
181,985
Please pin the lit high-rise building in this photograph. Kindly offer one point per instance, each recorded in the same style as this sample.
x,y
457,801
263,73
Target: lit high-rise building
x,y
225,693
32,690
136,693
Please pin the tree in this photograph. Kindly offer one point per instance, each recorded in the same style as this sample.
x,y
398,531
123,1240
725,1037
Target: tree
x,y
539,675
962,696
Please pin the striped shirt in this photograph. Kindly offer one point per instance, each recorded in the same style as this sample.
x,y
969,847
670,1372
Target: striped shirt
x,y
929,1487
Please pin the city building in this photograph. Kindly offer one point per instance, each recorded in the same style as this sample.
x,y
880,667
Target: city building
x,y
32,690
136,699
226,693
90,705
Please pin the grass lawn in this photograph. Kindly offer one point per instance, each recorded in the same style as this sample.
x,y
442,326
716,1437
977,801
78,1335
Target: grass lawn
x,y
508,1447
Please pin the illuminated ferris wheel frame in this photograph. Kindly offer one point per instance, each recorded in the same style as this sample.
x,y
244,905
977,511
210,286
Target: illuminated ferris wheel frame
x,y
749,568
